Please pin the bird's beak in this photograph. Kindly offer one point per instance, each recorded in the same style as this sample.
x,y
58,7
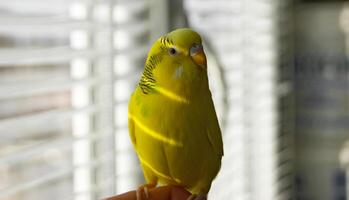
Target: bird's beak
x,y
198,55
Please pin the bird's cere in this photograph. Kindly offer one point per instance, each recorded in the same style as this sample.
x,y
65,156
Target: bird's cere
x,y
198,55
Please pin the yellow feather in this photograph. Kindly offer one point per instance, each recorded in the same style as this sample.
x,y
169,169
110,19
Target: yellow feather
x,y
172,121
171,95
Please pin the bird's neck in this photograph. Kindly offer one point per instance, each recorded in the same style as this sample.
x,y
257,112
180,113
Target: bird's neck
x,y
181,91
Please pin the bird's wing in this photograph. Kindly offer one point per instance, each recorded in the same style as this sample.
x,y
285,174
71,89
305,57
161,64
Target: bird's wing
x,y
131,123
213,130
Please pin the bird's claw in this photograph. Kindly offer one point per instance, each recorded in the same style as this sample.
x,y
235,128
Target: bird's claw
x,y
197,197
145,189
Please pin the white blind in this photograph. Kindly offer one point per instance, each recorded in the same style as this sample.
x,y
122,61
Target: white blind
x,y
245,37
67,69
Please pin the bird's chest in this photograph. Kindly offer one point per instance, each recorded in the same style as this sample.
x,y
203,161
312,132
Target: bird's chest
x,y
183,122
186,125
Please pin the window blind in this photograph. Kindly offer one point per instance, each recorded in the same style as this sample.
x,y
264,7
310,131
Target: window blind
x,y
67,69
245,36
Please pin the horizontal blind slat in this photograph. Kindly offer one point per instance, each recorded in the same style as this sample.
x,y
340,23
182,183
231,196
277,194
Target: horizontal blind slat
x,y
24,57
43,55
34,183
44,29
57,174
28,89
59,113
61,143
68,139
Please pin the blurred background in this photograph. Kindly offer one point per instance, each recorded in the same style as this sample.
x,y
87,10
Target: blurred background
x,y
278,72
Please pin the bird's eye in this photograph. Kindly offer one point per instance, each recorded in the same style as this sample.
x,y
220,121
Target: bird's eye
x,y
172,51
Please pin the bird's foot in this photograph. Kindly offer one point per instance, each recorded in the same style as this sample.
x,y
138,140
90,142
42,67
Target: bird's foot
x,y
197,197
145,188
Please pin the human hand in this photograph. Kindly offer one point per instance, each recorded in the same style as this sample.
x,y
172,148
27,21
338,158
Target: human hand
x,y
157,193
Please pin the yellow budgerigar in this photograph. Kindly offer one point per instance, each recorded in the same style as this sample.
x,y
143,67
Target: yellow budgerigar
x,y
172,120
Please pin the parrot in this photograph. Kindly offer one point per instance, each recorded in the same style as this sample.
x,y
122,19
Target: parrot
x,y
172,121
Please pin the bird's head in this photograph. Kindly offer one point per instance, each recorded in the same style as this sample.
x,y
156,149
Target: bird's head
x,y
177,62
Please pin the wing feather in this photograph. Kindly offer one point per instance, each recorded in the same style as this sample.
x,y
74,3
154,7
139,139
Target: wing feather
x,y
131,123
213,131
